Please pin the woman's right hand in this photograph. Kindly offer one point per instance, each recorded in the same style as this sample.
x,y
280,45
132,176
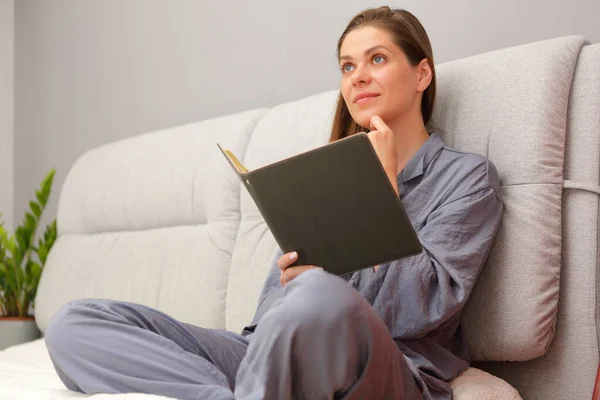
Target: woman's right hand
x,y
384,143
288,273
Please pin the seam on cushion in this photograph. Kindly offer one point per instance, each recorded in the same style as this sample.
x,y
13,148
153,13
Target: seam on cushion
x,y
532,184
210,238
119,231
578,185
252,217
103,232
153,228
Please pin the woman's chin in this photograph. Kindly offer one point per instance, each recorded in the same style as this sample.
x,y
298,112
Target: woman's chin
x,y
364,120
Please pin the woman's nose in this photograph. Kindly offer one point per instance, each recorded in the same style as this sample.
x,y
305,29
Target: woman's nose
x,y
361,75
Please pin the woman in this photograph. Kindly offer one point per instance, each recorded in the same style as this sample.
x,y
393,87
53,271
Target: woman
x,y
388,332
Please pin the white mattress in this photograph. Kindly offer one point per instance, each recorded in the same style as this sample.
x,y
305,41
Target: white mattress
x,y
26,373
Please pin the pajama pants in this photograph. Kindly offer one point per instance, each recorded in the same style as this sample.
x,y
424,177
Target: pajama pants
x,y
318,340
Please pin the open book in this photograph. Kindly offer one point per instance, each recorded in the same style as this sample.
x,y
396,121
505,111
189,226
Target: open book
x,y
333,204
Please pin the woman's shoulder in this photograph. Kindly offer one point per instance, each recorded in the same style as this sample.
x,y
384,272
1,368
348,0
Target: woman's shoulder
x,y
470,172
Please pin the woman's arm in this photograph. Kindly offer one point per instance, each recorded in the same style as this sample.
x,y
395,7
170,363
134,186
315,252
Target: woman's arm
x,y
421,293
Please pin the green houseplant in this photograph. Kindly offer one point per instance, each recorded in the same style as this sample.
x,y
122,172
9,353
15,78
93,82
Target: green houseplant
x,y
21,264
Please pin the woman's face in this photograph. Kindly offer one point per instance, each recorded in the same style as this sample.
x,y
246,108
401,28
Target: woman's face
x,y
377,70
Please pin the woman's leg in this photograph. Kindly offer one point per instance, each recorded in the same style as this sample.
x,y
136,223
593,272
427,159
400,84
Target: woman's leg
x,y
106,346
321,340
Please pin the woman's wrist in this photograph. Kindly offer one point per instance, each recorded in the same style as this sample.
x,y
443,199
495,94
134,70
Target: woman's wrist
x,y
393,180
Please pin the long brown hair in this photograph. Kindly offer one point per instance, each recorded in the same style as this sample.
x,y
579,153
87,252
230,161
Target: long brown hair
x,y
410,36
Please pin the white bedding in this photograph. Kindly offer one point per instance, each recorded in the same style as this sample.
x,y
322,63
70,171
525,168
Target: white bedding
x,y
26,373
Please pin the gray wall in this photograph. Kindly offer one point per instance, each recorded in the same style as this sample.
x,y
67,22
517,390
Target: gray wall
x,y
6,110
91,72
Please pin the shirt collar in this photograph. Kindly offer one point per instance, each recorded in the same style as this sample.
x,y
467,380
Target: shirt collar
x,y
419,162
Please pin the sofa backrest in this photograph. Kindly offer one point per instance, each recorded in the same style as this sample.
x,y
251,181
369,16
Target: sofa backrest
x,y
511,106
151,219
568,369
161,219
487,105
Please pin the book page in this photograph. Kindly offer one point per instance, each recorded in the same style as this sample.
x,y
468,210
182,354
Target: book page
x,y
238,165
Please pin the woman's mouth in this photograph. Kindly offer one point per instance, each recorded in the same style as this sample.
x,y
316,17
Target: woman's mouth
x,y
364,97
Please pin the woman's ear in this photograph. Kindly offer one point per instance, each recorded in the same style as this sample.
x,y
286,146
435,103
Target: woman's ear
x,y
424,75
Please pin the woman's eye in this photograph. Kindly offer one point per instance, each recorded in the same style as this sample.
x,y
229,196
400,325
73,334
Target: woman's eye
x,y
378,59
346,68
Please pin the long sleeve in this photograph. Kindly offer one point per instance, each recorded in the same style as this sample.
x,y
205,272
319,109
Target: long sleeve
x,y
422,293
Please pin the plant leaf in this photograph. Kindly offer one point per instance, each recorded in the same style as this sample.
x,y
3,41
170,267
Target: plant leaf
x,y
19,271
35,274
21,235
30,221
11,245
46,187
40,197
42,252
35,209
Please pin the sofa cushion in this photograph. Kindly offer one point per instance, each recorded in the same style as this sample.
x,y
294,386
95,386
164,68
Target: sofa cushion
x,y
151,219
511,106
568,369
475,384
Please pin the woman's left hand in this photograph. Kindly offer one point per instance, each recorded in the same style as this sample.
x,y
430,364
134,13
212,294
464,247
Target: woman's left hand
x,y
384,142
291,272
288,273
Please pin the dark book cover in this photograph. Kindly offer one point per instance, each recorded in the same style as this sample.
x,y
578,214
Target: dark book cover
x,y
333,204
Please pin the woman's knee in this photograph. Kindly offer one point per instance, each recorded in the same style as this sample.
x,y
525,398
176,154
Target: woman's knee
x,y
69,323
317,300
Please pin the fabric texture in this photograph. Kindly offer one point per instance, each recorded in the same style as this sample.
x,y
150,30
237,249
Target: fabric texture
x,y
27,373
107,346
149,219
518,121
475,384
568,369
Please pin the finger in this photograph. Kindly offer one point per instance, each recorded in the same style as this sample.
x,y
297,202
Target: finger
x,y
377,123
293,272
286,260
371,126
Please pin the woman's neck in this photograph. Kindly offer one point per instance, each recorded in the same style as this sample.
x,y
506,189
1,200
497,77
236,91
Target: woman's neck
x,y
410,135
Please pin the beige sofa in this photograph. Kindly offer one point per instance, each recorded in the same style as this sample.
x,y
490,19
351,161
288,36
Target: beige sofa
x,y
161,219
